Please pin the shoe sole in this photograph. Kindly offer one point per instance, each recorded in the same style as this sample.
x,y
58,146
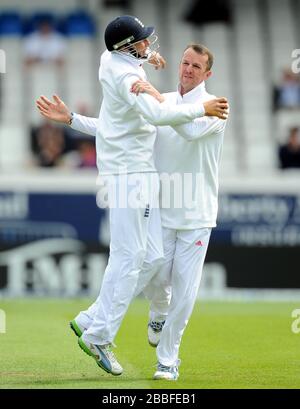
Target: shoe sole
x,y
74,327
89,353
161,378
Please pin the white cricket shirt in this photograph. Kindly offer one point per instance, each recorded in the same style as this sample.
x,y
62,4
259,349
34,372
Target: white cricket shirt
x,y
189,154
126,132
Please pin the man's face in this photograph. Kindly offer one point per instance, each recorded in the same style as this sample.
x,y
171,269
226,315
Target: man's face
x,y
192,70
142,46
45,28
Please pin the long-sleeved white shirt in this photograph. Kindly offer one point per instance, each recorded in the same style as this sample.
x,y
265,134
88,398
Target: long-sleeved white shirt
x,y
190,155
126,128
187,155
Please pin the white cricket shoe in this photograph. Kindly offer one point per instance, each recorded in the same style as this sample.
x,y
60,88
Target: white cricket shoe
x,y
168,373
103,356
154,332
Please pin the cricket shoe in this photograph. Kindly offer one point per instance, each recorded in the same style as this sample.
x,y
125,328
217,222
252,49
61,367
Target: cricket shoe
x,y
103,356
168,373
77,328
154,332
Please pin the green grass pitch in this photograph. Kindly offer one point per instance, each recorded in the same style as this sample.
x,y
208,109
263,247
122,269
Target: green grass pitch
x,y
226,345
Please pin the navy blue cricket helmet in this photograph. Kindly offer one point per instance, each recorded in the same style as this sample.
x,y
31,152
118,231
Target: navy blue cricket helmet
x,y
125,30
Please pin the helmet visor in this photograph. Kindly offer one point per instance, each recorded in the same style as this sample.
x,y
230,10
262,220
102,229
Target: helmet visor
x,y
147,53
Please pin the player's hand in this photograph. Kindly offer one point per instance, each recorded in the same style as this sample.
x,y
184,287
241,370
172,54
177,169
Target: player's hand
x,y
217,107
57,110
145,86
157,60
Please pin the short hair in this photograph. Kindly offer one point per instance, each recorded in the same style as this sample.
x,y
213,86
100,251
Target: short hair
x,y
202,50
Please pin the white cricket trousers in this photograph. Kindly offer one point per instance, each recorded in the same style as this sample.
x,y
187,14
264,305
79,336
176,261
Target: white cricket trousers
x,y
184,251
135,244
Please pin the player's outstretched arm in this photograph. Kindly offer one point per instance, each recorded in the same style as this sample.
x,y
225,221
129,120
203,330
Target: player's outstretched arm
x,y
215,107
200,128
145,86
155,113
57,110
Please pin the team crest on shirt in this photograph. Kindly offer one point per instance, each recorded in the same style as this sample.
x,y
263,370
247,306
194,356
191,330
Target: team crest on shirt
x,y
147,211
139,21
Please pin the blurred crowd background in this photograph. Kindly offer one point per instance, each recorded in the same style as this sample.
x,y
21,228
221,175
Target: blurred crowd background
x,y
53,47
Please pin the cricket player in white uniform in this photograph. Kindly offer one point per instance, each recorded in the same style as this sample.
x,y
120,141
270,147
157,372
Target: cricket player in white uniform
x,y
187,228
125,136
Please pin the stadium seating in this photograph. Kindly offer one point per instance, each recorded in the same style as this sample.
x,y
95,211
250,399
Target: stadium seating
x,y
32,6
283,36
252,86
217,37
20,87
14,147
12,86
79,23
249,54
82,86
10,24
31,23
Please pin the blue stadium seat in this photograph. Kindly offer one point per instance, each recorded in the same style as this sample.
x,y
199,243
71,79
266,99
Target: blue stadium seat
x,y
10,23
32,22
79,23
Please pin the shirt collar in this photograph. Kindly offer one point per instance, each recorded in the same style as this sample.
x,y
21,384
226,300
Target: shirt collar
x,y
194,94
